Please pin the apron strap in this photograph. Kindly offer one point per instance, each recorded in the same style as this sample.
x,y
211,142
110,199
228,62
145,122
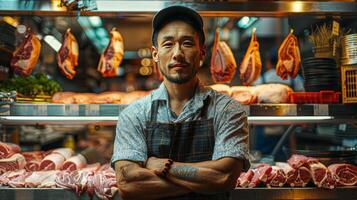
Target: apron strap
x,y
154,109
204,108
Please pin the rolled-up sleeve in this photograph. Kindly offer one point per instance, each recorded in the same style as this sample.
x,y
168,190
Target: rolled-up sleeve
x,y
232,134
129,141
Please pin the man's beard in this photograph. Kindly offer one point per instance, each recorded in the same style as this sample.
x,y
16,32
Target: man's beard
x,y
179,79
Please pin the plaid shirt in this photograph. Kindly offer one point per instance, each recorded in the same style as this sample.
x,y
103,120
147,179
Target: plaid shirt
x,y
229,122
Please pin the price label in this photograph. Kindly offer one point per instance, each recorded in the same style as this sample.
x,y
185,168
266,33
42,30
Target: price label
x,y
335,28
72,110
92,110
321,110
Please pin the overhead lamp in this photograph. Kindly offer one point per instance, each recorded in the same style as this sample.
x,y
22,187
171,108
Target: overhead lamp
x,y
13,22
297,6
53,42
246,21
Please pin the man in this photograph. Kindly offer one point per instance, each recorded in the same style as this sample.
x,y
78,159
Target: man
x,y
183,141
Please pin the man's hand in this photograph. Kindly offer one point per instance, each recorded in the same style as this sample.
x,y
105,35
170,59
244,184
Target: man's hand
x,y
160,166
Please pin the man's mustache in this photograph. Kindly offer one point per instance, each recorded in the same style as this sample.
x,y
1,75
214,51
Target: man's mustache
x,y
183,63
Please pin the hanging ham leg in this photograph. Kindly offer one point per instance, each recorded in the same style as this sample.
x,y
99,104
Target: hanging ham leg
x,y
223,64
251,66
25,57
288,57
67,56
112,56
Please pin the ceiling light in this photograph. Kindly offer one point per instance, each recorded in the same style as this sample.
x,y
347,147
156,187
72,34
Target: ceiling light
x,y
53,42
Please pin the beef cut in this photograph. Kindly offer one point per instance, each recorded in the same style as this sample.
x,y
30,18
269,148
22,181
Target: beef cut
x,y
295,177
67,56
251,65
344,174
245,178
8,149
261,174
112,56
25,57
276,178
223,63
289,60
321,175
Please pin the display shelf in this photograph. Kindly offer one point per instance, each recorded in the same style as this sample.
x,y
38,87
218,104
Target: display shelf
x,y
148,8
107,114
249,193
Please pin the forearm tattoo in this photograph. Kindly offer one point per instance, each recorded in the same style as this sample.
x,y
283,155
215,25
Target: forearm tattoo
x,y
185,172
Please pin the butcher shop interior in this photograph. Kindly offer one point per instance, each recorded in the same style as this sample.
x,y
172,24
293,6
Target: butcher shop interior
x,y
69,67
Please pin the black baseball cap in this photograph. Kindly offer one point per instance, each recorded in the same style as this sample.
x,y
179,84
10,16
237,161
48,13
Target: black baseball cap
x,y
177,12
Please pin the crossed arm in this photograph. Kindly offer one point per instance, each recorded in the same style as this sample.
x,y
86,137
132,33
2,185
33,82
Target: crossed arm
x,y
136,181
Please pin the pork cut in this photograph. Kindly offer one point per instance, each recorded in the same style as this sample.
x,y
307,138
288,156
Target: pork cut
x,y
251,65
244,94
67,56
272,93
276,178
13,163
38,178
74,163
223,63
63,97
64,179
33,160
65,152
245,178
19,181
261,174
108,97
8,149
84,178
105,184
9,175
295,177
54,161
344,174
289,60
49,181
222,88
25,57
112,56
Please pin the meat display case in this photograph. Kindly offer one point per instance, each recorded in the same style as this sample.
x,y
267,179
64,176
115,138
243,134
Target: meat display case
x,y
268,114
107,114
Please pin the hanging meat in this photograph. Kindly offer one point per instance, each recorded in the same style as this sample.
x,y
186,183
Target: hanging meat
x,y
251,65
112,56
223,64
288,57
67,56
25,57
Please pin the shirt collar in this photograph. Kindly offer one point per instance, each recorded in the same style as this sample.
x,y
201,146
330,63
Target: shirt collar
x,y
201,93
